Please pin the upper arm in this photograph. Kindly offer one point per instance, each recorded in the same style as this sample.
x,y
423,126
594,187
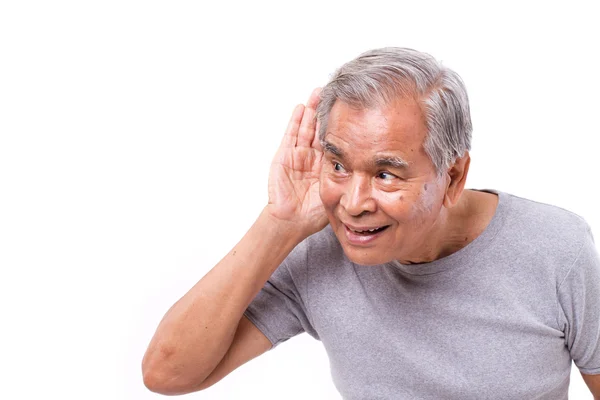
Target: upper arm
x,y
579,307
248,343
593,382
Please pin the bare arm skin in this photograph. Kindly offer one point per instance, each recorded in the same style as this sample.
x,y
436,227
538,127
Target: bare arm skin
x,y
198,330
204,336
593,383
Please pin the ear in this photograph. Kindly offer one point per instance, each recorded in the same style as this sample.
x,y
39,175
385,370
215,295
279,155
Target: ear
x,y
458,177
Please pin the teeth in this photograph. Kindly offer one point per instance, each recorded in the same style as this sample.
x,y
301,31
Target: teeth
x,y
369,230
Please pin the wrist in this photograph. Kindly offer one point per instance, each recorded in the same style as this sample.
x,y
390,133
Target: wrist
x,y
290,231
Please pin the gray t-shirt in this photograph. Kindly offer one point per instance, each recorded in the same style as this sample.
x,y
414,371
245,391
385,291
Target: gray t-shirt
x,y
502,318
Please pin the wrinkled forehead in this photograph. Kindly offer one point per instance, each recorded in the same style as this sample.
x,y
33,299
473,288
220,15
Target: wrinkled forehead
x,y
395,126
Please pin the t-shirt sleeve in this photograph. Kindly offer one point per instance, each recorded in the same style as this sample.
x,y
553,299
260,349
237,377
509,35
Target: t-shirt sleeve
x,y
279,309
579,311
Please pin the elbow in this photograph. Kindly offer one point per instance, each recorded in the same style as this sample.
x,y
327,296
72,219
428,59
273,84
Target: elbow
x,y
155,382
169,385
158,383
159,378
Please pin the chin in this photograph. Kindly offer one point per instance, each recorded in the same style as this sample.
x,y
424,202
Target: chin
x,y
370,254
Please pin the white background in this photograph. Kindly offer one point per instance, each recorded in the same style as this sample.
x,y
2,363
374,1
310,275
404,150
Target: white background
x,y
136,138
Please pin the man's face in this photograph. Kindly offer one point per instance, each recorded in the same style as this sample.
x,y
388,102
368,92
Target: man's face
x,y
376,175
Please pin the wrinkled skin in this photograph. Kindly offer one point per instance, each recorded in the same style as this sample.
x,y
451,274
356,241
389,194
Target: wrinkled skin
x,y
427,216
425,213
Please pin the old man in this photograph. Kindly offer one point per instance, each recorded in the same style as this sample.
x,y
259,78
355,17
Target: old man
x,y
417,287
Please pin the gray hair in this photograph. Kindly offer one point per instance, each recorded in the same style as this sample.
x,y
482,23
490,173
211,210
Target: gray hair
x,y
377,77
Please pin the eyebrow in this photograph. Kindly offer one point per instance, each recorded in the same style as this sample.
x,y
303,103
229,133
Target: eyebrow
x,y
391,161
380,161
328,147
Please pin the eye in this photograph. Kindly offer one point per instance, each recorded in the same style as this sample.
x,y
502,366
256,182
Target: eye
x,y
386,176
337,166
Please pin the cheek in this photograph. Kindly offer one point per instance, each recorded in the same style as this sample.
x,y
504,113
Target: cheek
x,y
409,205
330,193
391,199
395,204
428,200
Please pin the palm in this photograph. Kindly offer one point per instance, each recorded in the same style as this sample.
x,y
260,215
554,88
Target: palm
x,y
294,175
294,181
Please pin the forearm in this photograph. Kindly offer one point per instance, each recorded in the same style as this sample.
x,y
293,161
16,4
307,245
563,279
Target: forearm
x,y
593,383
197,331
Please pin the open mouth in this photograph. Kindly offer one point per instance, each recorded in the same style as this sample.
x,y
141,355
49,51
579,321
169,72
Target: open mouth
x,y
368,231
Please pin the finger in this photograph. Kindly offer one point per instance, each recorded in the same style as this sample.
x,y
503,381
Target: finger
x,y
316,144
306,133
291,132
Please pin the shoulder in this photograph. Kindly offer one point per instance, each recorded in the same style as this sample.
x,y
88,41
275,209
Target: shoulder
x,y
547,221
320,248
324,251
324,242
551,233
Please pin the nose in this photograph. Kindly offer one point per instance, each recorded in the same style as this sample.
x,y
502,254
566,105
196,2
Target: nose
x,y
357,198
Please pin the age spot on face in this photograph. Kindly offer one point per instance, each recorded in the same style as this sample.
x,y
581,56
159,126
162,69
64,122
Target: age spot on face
x,y
425,187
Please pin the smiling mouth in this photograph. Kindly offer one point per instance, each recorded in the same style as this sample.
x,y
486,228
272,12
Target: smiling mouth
x,y
368,231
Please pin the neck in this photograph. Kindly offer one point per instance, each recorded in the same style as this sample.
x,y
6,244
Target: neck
x,y
456,227
431,247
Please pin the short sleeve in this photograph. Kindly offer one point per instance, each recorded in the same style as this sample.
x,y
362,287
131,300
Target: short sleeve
x,y
579,311
279,309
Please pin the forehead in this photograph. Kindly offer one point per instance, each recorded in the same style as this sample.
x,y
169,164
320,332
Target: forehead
x,y
397,127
